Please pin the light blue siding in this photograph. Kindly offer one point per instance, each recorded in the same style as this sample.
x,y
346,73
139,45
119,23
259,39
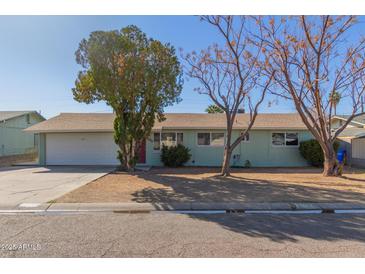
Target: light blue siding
x,y
13,140
42,149
259,151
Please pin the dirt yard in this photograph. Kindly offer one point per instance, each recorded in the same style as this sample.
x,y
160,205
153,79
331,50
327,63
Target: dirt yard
x,y
203,185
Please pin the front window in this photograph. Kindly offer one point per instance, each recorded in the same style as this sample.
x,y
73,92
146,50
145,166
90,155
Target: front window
x,y
291,139
284,139
203,139
210,139
278,139
167,139
217,139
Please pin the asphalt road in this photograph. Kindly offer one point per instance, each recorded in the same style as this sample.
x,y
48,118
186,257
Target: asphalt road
x,y
164,234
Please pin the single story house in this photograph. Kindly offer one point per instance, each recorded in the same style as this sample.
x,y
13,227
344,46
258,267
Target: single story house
x,y
352,138
87,139
13,140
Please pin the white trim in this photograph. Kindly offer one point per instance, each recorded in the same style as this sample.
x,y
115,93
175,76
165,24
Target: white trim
x,y
210,139
285,145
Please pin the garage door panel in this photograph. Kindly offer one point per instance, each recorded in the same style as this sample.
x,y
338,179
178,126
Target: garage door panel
x,y
81,149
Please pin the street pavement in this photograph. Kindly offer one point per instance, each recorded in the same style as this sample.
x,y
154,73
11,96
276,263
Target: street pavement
x,y
40,184
168,234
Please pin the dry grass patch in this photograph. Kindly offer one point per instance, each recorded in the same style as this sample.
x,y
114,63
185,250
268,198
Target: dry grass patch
x,y
204,185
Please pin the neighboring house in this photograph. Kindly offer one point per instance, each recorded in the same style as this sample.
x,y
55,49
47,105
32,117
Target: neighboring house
x,y
87,139
13,140
339,120
352,138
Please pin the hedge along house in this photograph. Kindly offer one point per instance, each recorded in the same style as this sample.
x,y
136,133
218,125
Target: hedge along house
x,y
13,140
87,139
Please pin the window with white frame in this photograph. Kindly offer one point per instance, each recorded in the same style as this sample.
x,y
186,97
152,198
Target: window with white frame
x,y
210,139
167,139
203,139
291,139
217,139
288,139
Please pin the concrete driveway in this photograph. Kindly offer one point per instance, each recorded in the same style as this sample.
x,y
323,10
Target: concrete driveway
x,y
40,184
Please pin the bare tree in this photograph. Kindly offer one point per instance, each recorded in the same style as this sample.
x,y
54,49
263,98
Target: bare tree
x,y
314,62
231,74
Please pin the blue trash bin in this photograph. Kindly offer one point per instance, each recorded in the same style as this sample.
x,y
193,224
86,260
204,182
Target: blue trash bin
x,y
341,156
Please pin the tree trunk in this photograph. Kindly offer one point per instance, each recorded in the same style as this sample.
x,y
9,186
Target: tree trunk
x,y
131,157
129,164
127,155
330,165
226,162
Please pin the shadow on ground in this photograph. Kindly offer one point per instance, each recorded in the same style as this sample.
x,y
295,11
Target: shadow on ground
x,y
180,188
279,228
282,228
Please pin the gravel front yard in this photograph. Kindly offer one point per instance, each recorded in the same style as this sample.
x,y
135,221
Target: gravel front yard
x,y
203,185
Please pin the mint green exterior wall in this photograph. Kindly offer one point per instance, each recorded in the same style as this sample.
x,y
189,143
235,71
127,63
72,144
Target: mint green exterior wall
x,y
258,150
42,149
13,140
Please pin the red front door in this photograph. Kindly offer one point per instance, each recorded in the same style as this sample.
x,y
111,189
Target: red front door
x,y
142,153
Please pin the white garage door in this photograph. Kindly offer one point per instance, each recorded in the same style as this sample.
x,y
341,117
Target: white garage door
x,y
358,148
81,149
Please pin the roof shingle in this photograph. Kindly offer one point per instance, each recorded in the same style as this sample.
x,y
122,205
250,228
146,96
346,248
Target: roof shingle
x,y
103,122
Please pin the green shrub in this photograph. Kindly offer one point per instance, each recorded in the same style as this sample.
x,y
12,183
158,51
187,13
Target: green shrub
x,y
175,156
312,152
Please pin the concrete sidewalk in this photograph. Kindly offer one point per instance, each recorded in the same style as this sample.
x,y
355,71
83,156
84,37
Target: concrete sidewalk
x,y
138,207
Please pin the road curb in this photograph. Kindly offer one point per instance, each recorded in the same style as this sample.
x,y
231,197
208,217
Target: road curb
x,y
189,206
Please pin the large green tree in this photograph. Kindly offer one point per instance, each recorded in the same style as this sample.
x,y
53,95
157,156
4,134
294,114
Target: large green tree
x,y
137,76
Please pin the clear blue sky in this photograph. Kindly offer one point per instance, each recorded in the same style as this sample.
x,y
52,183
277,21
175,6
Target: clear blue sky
x,y
38,68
